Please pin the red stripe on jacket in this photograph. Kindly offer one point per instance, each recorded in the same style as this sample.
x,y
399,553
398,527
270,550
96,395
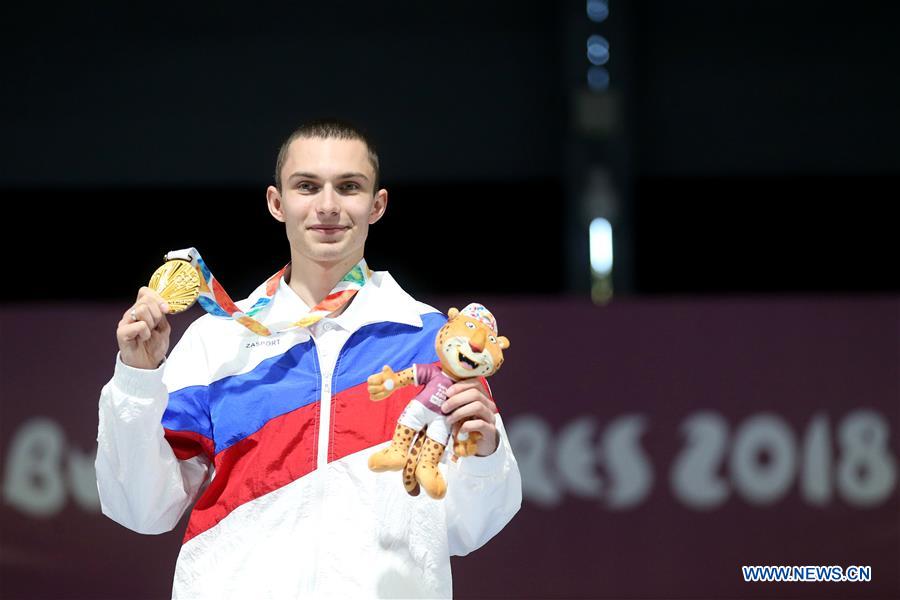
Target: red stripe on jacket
x,y
285,449
280,452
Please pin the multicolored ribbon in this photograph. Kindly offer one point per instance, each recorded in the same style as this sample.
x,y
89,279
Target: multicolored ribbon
x,y
216,301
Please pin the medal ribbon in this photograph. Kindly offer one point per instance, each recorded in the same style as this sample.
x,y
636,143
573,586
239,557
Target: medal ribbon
x,y
216,301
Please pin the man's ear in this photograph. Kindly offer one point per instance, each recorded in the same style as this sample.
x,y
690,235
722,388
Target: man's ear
x,y
503,341
273,199
451,314
379,206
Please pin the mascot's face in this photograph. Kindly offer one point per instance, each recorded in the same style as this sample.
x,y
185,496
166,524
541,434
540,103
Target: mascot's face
x,y
469,348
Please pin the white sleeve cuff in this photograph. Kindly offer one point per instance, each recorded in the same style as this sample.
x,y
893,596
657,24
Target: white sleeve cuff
x,y
485,466
137,382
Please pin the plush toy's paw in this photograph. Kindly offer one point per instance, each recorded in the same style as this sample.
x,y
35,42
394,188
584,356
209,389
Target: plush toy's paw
x,y
393,457
381,385
468,446
427,472
388,459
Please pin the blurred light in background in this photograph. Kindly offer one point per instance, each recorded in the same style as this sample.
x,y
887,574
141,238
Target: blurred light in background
x,y
601,246
597,10
601,249
596,119
598,79
597,54
598,50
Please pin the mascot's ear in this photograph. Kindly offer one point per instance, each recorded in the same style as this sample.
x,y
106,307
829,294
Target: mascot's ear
x,y
452,313
503,341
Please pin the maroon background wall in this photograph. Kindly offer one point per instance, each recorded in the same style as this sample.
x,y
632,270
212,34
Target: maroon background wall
x,y
662,444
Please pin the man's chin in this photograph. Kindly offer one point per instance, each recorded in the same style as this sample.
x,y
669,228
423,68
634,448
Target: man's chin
x,y
328,253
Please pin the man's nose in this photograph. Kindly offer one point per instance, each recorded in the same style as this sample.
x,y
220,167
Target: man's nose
x,y
477,340
327,201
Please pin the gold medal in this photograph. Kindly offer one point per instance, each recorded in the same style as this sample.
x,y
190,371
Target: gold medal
x,y
178,282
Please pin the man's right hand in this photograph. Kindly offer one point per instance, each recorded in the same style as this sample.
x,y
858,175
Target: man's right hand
x,y
143,331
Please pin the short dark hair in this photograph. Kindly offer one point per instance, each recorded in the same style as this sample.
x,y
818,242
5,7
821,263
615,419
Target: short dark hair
x,y
327,129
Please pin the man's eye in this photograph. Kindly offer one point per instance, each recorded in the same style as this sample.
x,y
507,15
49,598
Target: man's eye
x,y
351,186
305,186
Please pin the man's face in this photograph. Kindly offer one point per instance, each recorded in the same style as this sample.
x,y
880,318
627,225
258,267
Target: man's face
x,y
327,201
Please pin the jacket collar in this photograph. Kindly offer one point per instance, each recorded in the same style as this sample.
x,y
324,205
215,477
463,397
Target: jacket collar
x,y
380,299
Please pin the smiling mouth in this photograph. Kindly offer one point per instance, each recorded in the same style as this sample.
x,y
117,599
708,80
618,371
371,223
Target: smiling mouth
x,y
329,230
463,359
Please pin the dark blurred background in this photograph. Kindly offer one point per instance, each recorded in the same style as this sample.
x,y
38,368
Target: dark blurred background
x,y
740,146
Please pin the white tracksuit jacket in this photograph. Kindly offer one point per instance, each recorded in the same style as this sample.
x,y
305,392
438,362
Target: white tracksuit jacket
x,y
271,437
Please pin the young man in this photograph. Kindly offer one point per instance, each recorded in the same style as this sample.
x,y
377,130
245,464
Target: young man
x,y
271,435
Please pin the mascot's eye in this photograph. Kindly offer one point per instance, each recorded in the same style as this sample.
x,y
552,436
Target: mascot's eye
x,y
493,339
470,324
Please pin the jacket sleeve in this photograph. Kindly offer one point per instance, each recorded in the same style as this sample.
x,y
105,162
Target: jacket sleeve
x,y
148,474
483,495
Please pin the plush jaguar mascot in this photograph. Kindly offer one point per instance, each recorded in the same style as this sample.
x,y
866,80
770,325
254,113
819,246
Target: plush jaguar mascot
x,y
467,346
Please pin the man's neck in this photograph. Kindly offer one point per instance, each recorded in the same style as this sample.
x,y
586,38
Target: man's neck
x,y
313,281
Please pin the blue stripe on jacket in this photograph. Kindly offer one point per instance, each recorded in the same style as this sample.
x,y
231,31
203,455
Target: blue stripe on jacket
x,y
235,407
395,344
240,405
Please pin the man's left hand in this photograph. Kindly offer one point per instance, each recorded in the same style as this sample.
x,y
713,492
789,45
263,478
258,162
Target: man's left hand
x,y
467,402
